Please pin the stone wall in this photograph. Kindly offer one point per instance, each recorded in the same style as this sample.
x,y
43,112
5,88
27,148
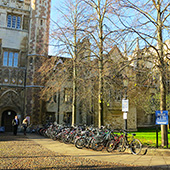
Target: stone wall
x,y
12,79
21,84
114,117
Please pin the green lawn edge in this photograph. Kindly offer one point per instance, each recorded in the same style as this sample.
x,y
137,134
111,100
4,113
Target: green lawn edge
x,y
147,136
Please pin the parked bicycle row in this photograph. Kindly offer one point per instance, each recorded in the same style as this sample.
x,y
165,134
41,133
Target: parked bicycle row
x,y
93,138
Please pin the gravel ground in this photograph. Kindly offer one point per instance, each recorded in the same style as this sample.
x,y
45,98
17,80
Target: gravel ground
x,y
19,152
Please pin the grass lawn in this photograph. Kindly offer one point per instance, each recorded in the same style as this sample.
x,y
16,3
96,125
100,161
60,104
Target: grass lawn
x,y
148,137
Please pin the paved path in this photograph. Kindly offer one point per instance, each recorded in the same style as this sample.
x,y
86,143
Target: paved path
x,y
154,158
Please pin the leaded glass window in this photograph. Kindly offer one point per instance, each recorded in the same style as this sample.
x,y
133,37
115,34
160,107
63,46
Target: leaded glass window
x,y
14,21
10,59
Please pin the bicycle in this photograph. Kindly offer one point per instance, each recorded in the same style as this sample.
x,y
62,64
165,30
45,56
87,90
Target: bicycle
x,y
124,141
83,140
100,141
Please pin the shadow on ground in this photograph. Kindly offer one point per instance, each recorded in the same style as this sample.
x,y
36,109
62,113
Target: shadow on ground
x,y
8,136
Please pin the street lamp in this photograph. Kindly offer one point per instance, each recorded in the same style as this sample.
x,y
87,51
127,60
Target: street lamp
x,y
125,103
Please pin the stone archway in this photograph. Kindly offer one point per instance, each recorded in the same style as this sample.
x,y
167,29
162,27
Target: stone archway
x,y
11,104
6,120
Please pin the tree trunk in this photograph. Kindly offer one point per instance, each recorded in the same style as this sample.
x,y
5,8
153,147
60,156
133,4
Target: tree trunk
x,y
164,131
162,71
74,85
74,70
74,96
100,95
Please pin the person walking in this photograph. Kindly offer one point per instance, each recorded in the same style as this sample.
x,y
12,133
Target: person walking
x,y
15,123
25,125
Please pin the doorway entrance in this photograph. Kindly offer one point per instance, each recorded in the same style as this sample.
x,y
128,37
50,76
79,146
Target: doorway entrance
x,y
7,117
67,118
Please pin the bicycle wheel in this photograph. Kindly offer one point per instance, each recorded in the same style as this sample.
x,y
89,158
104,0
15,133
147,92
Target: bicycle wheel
x,y
79,143
65,139
97,146
110,146
136,146
121,146
90,143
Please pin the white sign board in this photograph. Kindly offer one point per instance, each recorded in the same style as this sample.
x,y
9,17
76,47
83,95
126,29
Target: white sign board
x,y
125,105
124,115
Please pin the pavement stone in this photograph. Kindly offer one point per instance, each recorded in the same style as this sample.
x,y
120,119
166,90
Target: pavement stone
x,y
153,157
36,152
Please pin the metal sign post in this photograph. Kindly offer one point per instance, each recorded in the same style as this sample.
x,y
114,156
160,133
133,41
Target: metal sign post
x,y
161,119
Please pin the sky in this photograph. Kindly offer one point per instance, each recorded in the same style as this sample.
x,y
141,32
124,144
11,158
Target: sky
x,y
54,4
54,15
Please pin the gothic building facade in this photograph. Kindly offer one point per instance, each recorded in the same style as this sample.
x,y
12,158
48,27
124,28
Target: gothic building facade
x,y
24,32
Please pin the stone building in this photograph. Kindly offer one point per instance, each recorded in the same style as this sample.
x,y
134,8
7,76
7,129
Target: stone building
x,y
139,84
59,108
24,32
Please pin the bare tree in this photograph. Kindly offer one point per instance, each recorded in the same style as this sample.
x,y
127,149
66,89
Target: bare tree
x,y
102,33
66,35
149,20
70,32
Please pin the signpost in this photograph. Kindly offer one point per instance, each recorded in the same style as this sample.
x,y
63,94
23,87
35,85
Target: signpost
x,y
161,119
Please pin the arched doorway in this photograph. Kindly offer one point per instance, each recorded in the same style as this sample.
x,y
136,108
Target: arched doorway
x,y
7,117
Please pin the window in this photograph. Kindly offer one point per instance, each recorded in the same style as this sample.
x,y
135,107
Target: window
x,y
67,117
10,59
118,95
67,95
13,21
41,22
